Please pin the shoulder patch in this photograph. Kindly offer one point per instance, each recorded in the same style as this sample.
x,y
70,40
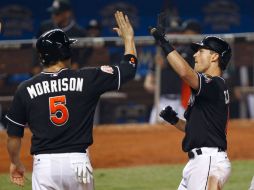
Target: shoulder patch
x,y
107,69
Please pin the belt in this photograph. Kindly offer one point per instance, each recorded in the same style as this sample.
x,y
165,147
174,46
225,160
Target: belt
x,y
191,154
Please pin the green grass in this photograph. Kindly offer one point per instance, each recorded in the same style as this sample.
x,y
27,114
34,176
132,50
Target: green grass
x,y
161,177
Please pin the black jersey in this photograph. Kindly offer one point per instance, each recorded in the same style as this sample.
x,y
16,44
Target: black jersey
x,y
59,107
207,115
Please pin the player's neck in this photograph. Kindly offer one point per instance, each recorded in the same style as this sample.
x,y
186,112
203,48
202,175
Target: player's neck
x,y
215,71
58,66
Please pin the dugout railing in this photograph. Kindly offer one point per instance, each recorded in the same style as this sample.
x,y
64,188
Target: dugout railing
x,y
17,57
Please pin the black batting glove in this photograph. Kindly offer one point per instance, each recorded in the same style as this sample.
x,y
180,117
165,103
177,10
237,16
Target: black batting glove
x,y
169,115
161,40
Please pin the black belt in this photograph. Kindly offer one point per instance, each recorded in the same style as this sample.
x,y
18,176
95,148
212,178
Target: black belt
x,y
191,154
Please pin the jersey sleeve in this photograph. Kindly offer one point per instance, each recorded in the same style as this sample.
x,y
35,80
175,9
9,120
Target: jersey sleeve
x,y
16,116
108,78
208,87
104,78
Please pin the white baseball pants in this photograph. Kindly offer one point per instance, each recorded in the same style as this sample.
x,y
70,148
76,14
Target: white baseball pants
x,y
65,171
209,163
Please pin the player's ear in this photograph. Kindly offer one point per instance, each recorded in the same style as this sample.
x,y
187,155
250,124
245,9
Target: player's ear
x,y
215,57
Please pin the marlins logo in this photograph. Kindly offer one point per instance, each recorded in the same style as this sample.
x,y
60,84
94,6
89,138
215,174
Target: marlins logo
x,y
132,61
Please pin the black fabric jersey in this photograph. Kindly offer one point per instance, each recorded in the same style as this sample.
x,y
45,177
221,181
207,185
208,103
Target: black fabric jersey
x,y
59,107
207,115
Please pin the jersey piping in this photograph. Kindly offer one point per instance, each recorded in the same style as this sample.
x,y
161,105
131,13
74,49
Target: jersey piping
x,y
119,78
199,90
50,73
14,121
220,78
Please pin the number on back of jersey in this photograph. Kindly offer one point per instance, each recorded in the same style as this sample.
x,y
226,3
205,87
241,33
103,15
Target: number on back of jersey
x,y
58,111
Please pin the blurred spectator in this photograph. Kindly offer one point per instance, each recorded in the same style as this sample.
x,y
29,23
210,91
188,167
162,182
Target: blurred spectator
x,y
170,83
93,28
243,90
189,27
61,17
250,100
97,55
1,125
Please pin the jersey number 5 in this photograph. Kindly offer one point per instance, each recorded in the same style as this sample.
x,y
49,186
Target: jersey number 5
x,y
58,111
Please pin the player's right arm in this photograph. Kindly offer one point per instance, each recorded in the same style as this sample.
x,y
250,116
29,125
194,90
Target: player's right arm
x,y
128,65
17,169
15,130
176,61
107,78
125,31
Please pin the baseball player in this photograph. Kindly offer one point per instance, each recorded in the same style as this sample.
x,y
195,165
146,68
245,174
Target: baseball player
x,y
252,184
58,105
207,112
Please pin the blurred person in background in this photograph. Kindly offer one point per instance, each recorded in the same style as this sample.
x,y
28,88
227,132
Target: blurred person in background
x,y
170,82
2,76
1,125
1,114
62,17
98,54
242,88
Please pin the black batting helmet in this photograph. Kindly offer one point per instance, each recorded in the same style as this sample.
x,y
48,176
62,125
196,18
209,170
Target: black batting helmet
x,y
53,46
218,45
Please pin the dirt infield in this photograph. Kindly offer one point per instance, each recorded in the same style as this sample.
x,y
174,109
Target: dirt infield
x,y
132,145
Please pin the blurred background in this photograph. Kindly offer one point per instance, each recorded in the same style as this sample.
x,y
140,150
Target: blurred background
x,y
131,141
155,85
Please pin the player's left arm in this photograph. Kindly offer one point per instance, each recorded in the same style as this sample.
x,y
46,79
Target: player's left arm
x,y
180,125
176,61
169,115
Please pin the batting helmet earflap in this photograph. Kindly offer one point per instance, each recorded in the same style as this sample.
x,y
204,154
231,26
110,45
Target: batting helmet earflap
x,y
218,45
53,46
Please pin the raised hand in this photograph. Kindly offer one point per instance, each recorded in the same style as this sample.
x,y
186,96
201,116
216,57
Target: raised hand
x,y
124,28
